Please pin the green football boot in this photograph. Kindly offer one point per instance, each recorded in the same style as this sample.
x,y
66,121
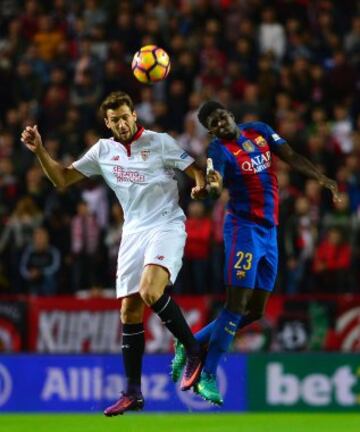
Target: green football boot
x,y
207,389
178,362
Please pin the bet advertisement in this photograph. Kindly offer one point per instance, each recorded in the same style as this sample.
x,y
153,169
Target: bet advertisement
x,y
304,382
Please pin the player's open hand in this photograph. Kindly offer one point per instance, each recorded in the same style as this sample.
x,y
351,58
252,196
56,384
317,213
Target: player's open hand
x,y
32,138
332,186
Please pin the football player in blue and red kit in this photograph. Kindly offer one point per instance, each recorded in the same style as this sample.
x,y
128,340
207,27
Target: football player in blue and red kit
x,y
242,158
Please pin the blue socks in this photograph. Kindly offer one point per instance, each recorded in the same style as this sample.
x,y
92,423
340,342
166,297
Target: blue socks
x,y
203,335
223,331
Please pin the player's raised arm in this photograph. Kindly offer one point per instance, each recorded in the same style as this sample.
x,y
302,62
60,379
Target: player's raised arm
x,y
306,167
59,175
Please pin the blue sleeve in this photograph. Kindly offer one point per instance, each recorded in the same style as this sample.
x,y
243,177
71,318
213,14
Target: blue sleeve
x,y
217,155
274,140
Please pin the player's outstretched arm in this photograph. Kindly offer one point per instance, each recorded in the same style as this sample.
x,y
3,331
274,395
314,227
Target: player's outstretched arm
x,y
303,165
199,190
60,176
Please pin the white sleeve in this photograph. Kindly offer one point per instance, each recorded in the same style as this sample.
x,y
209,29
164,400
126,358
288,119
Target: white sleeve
x,y
173,155
88,164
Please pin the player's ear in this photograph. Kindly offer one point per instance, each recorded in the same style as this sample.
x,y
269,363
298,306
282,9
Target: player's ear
x,y
107,124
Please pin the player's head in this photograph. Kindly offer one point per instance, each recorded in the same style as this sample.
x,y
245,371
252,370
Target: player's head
x,y
217,119
119,115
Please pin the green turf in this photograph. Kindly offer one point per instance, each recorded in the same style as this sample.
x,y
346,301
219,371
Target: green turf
x,y
264,422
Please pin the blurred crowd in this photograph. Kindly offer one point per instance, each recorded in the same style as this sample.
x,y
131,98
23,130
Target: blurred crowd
x,y
292,63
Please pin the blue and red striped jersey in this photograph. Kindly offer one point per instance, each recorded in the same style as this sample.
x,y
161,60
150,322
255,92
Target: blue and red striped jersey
x,y
246,166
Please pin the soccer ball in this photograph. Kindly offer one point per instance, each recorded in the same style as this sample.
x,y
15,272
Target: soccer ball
x,y
150,64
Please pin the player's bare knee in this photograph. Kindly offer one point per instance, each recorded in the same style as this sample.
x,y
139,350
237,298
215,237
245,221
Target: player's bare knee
x,y
130,315
150,293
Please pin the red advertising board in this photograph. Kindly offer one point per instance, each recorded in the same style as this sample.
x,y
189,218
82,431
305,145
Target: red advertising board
x,y
70,325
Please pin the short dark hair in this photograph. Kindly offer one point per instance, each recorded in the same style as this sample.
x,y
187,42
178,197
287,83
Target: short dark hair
x,y
115,100
206,109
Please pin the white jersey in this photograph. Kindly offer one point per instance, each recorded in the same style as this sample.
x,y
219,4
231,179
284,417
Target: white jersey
x,y
141,175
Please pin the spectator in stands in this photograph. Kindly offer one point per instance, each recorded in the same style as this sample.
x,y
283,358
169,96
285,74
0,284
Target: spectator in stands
x,y
272,37
197,248
113,236
96,197
85,242
57,224
27,85
295,68
39,265
9,186
47,38
352,40
144,108
36,186
332,263
16,235
339,216
189,140
352,181
300,237
341,129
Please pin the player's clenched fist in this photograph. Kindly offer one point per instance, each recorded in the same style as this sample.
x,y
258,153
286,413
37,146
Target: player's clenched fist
x,y
32,138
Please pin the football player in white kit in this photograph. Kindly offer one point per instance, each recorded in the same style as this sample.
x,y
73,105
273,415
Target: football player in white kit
x,y
137,164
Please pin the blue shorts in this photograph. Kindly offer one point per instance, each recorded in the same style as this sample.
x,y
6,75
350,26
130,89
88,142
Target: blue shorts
x,y
251,254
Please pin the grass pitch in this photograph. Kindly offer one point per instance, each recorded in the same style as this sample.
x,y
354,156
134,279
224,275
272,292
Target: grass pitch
x,y
217,422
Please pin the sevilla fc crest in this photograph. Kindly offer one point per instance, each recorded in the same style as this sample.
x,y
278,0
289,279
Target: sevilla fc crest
x,y
145,154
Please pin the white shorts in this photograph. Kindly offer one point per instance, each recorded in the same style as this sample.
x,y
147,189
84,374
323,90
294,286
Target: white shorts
x,y
163,246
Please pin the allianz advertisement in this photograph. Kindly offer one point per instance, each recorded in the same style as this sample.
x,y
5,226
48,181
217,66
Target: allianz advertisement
x,y
255,382
304,382
88,383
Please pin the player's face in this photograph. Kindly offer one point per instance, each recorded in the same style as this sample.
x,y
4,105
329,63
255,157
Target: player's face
x,y
221,123
122,122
